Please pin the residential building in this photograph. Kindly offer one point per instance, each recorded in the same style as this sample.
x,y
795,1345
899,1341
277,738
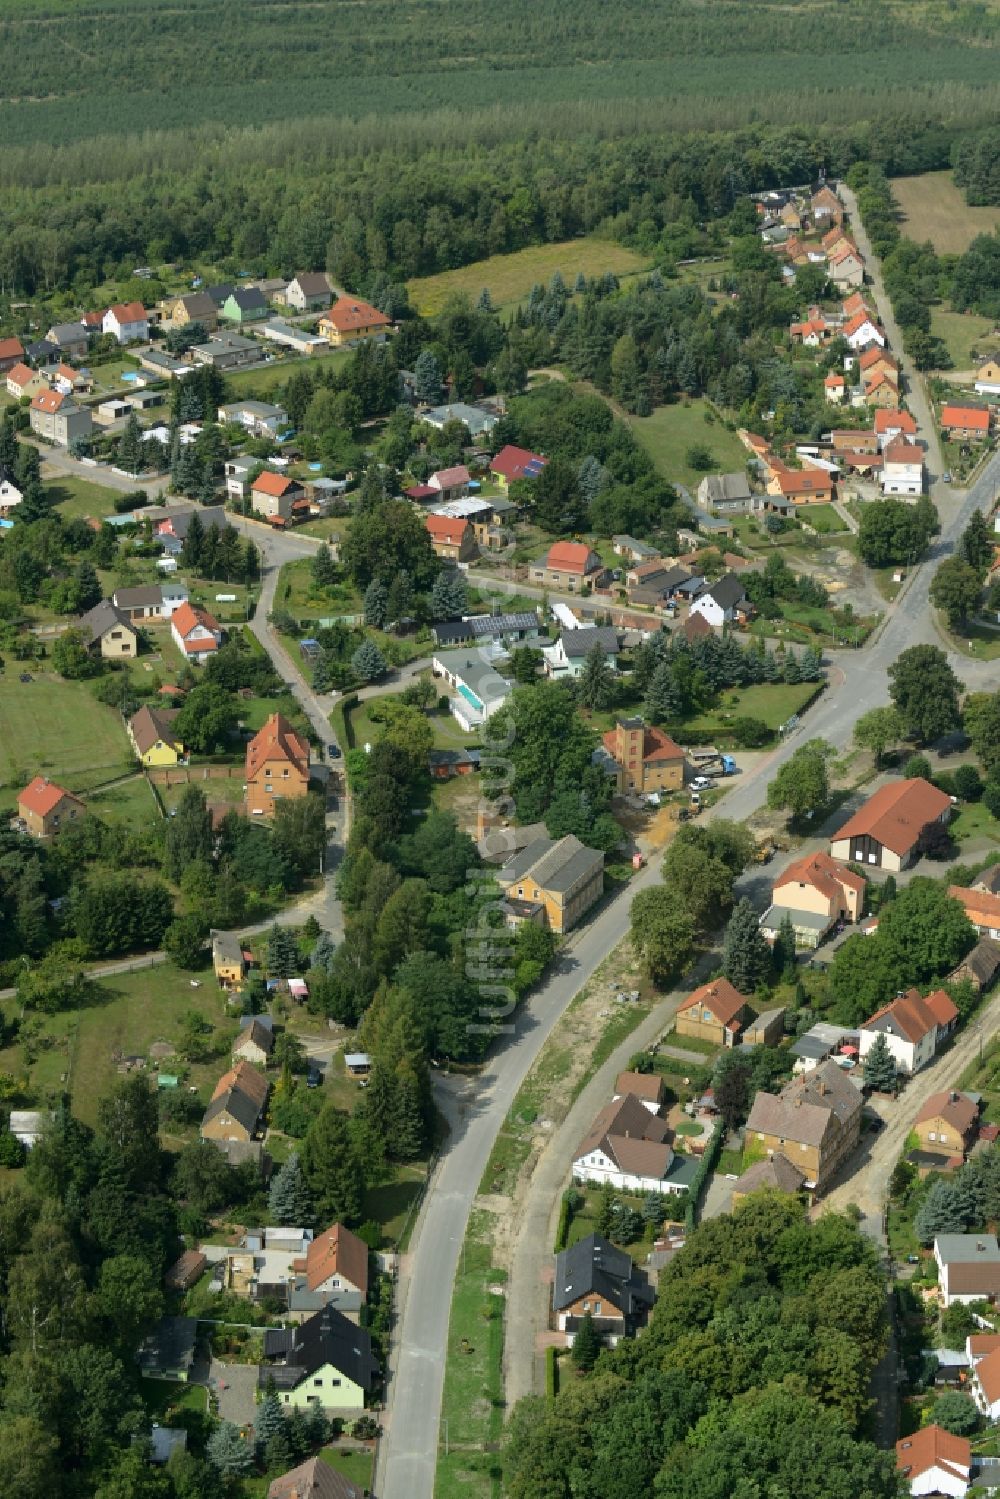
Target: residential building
x,y
171,524
150,602
277,766
723,602
835,387
981,966
237,1107
968,1268
126,321
775,1173
313,1479
159,363
22,381
58,418
982,909
569,566
988,376
46,809
902,468
477,419
826,207
273,495
450,483
846,268
334,1272
197,634
288,336
478,688
11,354
912,1026
168,1352
513,463
715,1012
325,1361
568,656
42,352
933,1461
885,831
186,1270
641,757
965,423
880,390
629,1148
877,361
497,630
854,440
308,292
892,424
11,494
816,893
107,632
726,494
454,540
862,330
350,320
948,1123
196,308
647,1087
228,962
220,292
803,486
596,1279
247,304
984,1382
767,1030
69,338
552,882
255,1041
821,1041
153,738
226,351
815,1122
633,550
260,418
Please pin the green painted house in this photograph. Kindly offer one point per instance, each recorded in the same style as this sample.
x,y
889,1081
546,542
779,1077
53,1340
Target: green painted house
x,y
325,1361
244,305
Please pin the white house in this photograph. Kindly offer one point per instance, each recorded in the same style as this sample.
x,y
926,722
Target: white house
x,y
10,494
934,1461
260,418
912,1026
629,1147
196,634
968,1267
479,690
568,656
127,322
984,1383
902,468
721,602
861,331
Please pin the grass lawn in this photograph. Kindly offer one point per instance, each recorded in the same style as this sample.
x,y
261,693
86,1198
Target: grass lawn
x,y
165,1398
57,729
267,379
584,1221
355,1465
131,801
76,499
393,1203
298,594
974,821
975,640
824,519
933,208
774,703
511,277
806,624
217,789
472,1407
671,430
961,333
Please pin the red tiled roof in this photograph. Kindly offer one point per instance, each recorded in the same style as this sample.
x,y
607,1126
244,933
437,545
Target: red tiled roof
x,y
48,400
188,615
568,556
11,348
349,313
981,908
128,312
20,373
449,478
988,1375
876,356
823,873
900,451
446,529
277,740
954,1108
942,1007
896,814
804,481
272,484
932,1447
910,1013
42,797
977,418
657,747
337,1252
889,421
513,463
724,1001
857,322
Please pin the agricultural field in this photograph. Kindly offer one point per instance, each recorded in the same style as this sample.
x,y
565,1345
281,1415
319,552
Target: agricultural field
x,y
510,278
933,208
57,729
672,430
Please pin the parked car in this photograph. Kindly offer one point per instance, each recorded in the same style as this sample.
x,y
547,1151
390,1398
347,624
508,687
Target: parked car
x,y
333,751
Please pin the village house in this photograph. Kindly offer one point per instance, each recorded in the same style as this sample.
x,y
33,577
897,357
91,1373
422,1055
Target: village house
x,y
980,966
934,1461
228,962
288,336
255,1041
149,603
854,440
885,831
892,424
478,421
816,893
648,1087
259,418
170,526
11,354
495,630
196,308
11,495
334,1272
237,1107
106,632
22,381
552,883
325,1361
71,381
568,657
513,463
169,1350
948,1123
877,361
226,351
726,494
45,809
246,304
723,602
965,423
153,738
195,632
773,1174
982,909
988,376
313,1479
594,1278
813,333
569,566
803,486
126,321
629,1148
350,320
273,495
453,540
902,469
835,387
968,1268
58,418
881,391
308,292
450,483
826,207
69,338
715,1012
641,757
913,1026
815,1122
862,330
478,689
277,766
846,267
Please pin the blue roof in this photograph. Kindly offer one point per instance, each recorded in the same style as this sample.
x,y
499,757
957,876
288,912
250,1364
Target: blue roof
x,y
309,640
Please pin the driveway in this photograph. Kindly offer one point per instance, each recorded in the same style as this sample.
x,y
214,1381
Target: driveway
x,y
235,1388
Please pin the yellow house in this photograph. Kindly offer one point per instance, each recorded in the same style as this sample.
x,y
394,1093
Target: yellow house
x,y
643,758
715,1012
814,1122
552,883
325,1361
988,376
948,1124
227,960
349,320
153,738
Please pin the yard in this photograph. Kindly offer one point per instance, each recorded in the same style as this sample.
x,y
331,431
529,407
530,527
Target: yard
x,y
974,821
961,332
511,277
265,380
823,518
78,499
57,729
773,703
933,208
672,430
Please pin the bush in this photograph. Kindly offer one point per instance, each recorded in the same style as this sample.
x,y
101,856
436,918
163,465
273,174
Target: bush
x,y
968,783
991,798
749,733
917,765
551,1373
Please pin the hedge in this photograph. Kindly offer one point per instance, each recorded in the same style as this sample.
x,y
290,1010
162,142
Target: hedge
x,y
551,1372
706,1166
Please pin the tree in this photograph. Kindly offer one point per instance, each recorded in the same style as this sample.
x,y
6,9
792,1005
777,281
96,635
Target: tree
x,y
663,931
525,661
368,662
925,690
130,1298
877,729
128,1130
130,446
270,1418
976,545
29,1458
596,684
586,1344
282,953
955,590
449,596
88,587
746,957
981,720
184,939
331,1167
556,499
71,658
801,784
731,1087
427,378
942,1211
289,1200
957,1413
376,603
323,568
207,718
299,832
188,836
228,1453
880,1067
703,881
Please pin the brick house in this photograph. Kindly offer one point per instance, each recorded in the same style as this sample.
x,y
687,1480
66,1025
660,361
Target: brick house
x,y
715,1012
277,766
46,809
886,830
815,1122
451,538
569,566
642,757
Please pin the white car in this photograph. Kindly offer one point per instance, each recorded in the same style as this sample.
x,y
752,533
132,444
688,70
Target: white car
x,y
701,783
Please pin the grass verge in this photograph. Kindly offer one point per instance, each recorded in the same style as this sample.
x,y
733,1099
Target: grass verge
x,y
472,1409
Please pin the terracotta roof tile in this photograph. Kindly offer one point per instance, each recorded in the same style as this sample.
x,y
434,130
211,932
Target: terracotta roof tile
x,y
896,814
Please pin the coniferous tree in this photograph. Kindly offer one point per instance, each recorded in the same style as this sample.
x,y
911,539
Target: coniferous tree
x,y
282,953
880,1067
663,697
289,1200
586,1344
746,957
596,685
130,447
228,1453
375,604
368,662
331,1167
323,568
269,1419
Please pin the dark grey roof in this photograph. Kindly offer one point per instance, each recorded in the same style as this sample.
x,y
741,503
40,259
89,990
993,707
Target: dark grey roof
x,y
220,293
579,643
726,487
485,627
248,298
99,620
553,864
67,333
988,880
984,959
453,757
147,596
594,1267
244,1109
209,515
313,283
262,1034
727,592
42,350
327,1338
171,1344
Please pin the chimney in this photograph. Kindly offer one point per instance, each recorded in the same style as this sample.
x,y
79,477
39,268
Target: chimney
x,y
954,1096
822,1088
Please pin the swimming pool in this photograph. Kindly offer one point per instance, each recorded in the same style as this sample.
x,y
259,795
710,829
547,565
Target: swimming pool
x,y
470,697
315,468
129,377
